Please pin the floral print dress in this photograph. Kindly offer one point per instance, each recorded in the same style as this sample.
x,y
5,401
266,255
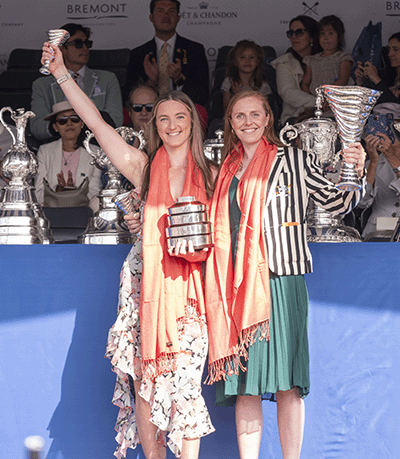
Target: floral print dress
x,y
177,406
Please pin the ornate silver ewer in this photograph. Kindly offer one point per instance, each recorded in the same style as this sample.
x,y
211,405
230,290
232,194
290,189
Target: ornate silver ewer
x,y
319,135
107,226
57,37
188,220
351,106
22,220
213,147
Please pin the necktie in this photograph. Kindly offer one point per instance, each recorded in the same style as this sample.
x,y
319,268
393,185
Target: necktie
x,y
163,77
75,76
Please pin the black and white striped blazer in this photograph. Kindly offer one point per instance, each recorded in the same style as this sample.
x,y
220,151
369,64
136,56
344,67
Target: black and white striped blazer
x,y
295,177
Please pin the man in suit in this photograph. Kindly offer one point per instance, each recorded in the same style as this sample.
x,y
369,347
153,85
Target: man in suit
x,y
169,61
100,85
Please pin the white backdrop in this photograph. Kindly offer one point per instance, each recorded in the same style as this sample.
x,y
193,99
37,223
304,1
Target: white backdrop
x,y
119,24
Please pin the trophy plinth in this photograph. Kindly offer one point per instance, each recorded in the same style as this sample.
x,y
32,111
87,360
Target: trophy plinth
x,y
56,37
107,226
351,106
22,220
188,220
319,135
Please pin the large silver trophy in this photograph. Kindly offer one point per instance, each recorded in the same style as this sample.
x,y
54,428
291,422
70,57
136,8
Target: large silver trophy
x,y
319,135
57,37
351,106
22,220
213,147
107,226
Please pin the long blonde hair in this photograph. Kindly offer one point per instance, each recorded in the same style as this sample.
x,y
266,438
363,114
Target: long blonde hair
x,y
231,141
154,142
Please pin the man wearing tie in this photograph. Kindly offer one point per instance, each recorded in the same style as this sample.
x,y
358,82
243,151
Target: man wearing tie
x,y
100,85
169,61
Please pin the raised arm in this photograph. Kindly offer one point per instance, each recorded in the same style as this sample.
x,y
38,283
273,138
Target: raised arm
x,y
128,160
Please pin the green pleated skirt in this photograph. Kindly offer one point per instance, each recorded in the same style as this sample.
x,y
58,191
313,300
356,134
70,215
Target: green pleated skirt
x,y
282,362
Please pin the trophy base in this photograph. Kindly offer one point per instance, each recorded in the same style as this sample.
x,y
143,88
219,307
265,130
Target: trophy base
x,y
106,238
333,234
200,242
112,230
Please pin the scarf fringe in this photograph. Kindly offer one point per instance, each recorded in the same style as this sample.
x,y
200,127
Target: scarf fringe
x,y
155,367
231,364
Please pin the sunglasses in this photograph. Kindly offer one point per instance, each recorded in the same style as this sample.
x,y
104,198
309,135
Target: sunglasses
x,y
64,119
298,33
139,107
78,43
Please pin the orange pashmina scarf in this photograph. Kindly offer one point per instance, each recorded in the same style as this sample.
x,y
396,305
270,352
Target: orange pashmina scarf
x,y
169,283
238,302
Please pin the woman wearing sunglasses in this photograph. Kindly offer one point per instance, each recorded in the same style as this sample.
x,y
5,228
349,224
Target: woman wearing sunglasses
x,y
303,36
64,164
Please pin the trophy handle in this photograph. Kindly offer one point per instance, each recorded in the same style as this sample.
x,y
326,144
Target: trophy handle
x,y
7,109
290,132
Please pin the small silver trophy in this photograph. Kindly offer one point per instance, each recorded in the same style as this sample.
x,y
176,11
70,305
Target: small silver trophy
x,y
188,220
213,147
107,226
351,106
22,220
319,135
57,37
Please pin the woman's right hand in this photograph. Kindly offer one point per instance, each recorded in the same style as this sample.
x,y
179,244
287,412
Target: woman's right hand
x,y
371,144
54,55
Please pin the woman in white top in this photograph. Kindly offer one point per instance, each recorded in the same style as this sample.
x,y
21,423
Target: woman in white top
x,y
64,163
303,35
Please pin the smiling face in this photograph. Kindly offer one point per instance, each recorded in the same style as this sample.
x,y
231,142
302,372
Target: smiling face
x,y
329,39
300,43
394,53
249,120
246,61
174,124
75,58
165,18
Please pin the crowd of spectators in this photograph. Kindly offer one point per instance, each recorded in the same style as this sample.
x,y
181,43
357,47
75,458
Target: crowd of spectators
x,y
316,55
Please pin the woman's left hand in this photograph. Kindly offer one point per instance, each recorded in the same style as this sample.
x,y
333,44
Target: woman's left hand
x,y
355,154
186,250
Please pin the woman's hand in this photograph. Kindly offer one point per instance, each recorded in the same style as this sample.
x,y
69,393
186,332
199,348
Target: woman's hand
x,y
371,72
390,150
133,222
186,250
355,154
372,142
54,55
359,74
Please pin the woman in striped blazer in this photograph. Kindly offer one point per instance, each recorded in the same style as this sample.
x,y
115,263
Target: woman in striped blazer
x,y
256,297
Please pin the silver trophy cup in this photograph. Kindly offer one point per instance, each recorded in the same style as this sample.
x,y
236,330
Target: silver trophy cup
x,y
319,136
107,226
22,220
57,37
213,147
351,106
188,220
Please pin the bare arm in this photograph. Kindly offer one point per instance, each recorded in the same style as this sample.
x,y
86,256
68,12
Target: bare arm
x,y
344,74
128,160
306,81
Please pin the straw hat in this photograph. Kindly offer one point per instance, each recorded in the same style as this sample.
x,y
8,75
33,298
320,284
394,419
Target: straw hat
x,y
57,108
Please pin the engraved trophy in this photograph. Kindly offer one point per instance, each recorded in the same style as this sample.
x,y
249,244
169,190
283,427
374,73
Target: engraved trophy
x,y
213,147
57,37
22,220
351,106
319,135
188,220
107,226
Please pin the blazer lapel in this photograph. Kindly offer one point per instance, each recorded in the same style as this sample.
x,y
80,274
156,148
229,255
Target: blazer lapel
x,y
276,169
89,81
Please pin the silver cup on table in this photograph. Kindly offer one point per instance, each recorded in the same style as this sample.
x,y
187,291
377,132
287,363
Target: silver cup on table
x,y
319,136
56,37
22,220
188,220
107,226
